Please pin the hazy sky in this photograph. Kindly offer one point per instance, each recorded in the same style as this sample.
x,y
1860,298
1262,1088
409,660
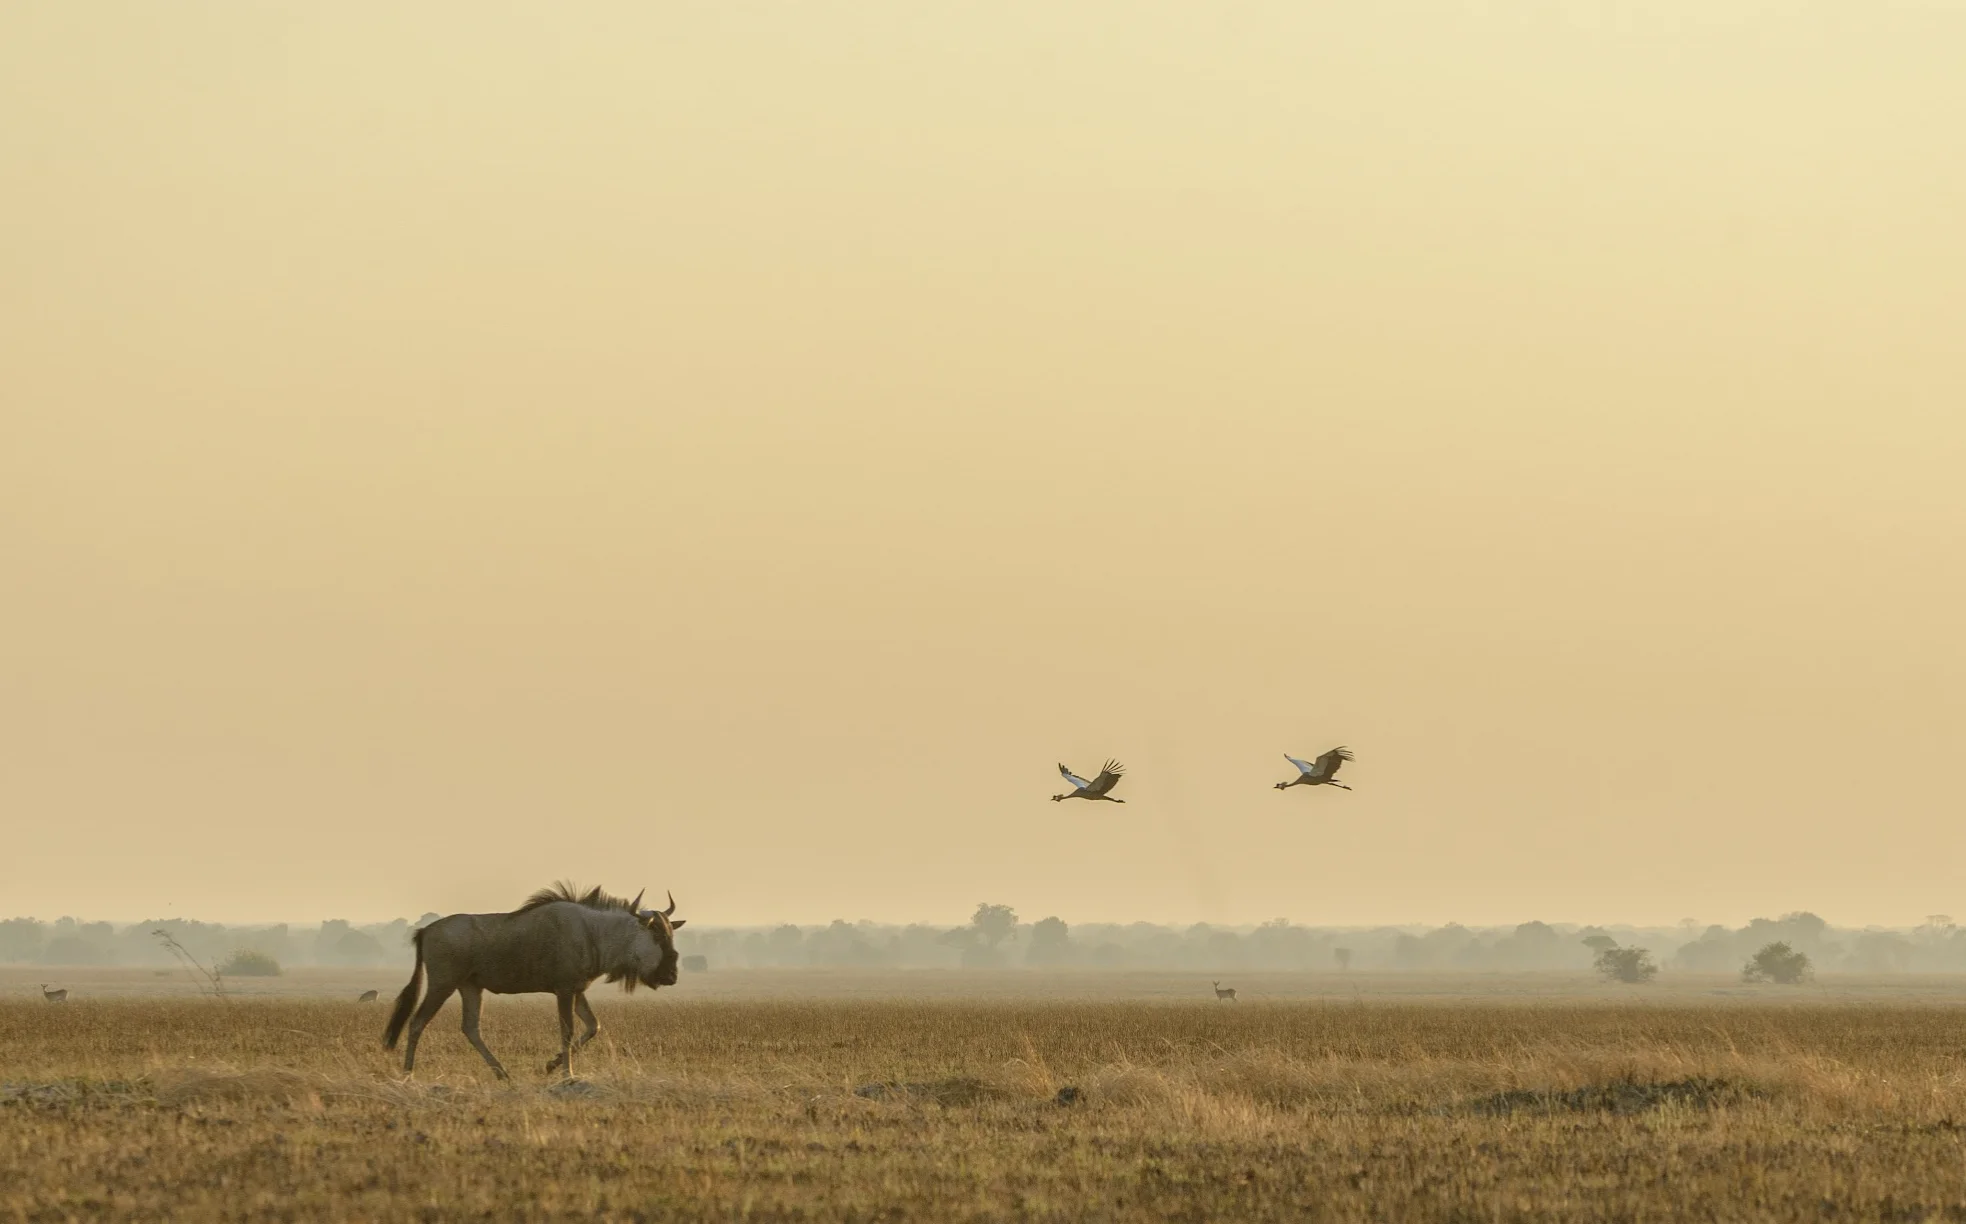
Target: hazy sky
x,y
742,447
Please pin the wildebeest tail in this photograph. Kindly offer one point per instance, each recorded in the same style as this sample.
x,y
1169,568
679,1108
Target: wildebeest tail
x,y
406,1001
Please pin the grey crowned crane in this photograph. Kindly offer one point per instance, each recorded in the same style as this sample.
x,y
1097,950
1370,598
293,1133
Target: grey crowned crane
x,y
1099,788
1319,773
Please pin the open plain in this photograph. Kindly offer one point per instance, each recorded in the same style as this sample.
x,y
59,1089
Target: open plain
x,y
834,1096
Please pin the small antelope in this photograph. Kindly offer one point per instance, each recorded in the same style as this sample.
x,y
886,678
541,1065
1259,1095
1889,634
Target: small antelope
x,y
1222,995
54,996
368,996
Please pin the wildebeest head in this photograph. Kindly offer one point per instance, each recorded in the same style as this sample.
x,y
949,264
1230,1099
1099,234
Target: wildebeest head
x,y
659,927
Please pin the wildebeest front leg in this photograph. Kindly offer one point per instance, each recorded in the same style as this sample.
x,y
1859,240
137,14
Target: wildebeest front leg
x,y
474,997
586,1014
433,1002
565,1059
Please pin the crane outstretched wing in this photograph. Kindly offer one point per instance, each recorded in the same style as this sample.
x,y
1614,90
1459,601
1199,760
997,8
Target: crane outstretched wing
x,y
1107,777
1328,764
1071,777
1302,766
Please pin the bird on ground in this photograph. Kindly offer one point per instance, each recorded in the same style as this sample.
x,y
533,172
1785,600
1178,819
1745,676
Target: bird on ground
x,y
1319,773
1098,788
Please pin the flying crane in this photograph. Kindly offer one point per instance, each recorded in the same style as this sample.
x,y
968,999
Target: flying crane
x,y
1320,772
1098,788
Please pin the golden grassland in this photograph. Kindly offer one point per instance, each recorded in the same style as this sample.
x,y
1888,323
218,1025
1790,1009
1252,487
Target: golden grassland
x,y
1633,1107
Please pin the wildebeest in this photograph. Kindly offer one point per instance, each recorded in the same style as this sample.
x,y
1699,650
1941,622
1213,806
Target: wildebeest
x,y
54,996
368,996
557,943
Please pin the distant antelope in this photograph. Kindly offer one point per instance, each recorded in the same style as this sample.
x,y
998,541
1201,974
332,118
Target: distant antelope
x,y
54,996
1098,788
368,996
1322,772
1224,995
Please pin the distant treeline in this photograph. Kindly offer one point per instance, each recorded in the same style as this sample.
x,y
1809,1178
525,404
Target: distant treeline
x,y
67,941
996,937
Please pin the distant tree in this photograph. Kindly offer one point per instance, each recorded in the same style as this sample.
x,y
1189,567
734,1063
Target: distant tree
x,y
841,943
332,929
976,954
1344,958
1715,951
1881,952
72,950
1599,944
1777,962
1277,944
21,939
963,937
786,944
1532,945
274,941
357,948
1051,943
1409,952
1936,929
994,923
248,962
1616,964
696,964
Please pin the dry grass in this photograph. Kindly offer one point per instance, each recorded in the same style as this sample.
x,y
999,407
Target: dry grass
x,y
686,1109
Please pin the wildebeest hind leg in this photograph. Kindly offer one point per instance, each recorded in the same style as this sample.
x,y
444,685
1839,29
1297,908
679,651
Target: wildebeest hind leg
x,y
432,1003
565,1060
474,998
586,1015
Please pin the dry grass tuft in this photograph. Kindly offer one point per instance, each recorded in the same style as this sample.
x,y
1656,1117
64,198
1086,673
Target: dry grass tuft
x,y
185,1088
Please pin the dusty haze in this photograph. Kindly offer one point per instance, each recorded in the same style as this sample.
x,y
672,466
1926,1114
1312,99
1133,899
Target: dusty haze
x,y
741,448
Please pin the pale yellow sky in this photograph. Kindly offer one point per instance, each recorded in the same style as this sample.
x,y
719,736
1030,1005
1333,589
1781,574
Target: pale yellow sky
x,y
741,448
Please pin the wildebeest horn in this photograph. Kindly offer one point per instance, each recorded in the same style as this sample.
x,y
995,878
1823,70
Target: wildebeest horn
x,y
635,906
672,905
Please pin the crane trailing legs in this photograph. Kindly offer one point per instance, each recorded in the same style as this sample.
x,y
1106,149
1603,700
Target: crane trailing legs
x,y
1321,772
1099,788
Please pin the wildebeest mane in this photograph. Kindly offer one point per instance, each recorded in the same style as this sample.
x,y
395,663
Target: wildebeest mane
x,y
563,890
